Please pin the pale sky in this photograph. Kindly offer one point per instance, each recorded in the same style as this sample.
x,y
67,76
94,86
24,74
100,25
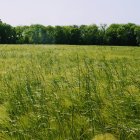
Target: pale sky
x,y
69,12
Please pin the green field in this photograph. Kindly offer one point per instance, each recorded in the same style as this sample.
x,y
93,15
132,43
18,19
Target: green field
x,y
69,92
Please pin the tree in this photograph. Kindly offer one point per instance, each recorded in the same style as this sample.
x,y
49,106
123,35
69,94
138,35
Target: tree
x,y
126,34
7,34
21,38
121,34
35,34
60,35
112,34
137,33
50,35
102,34
89,34
115,34
74,35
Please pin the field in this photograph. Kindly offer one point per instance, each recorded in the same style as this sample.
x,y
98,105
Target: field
x,y
69,92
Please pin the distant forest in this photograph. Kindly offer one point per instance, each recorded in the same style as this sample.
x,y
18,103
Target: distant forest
x,y
115,34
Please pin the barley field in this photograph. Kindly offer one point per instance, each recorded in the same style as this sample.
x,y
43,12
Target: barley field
x,y
63,92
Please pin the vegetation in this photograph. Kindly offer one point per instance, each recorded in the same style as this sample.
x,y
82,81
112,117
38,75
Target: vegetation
x,y
69,92
115,34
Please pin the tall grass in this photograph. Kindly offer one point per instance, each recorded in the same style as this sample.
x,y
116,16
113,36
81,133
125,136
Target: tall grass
x,y
69,93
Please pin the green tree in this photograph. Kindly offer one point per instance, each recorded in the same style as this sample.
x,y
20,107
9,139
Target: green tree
x,y
112,34
89,34
35,34
61,35
20,34
74,35
50,35
126,34
7,34
102,34
137,33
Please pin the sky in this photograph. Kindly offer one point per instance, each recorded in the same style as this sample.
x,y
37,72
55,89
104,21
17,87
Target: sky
x,y
69,12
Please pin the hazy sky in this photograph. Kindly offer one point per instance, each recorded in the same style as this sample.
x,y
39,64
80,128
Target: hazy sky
x,y
68,12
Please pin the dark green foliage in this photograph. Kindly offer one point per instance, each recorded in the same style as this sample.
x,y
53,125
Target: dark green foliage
x,y
126,34
112,35
21,37
7,34
115,34
60,35
74,34
50,35
137,33
36,34
89,34
121,34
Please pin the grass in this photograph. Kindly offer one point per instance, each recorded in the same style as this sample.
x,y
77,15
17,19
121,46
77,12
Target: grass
x,y
69,92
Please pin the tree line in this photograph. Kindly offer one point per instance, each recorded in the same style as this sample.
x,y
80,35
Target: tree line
x,y
115,34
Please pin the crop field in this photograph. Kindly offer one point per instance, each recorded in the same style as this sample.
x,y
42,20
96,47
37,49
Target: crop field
x,y
63,92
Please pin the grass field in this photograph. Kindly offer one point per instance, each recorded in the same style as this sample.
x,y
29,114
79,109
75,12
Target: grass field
x,y
69,92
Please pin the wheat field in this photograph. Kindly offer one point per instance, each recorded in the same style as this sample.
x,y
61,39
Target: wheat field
x,y
63,92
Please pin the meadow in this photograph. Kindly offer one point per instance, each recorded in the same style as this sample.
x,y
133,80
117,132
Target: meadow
x,y
64,92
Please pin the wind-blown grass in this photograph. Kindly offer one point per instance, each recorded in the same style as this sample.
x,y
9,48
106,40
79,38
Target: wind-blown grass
x,y
69,92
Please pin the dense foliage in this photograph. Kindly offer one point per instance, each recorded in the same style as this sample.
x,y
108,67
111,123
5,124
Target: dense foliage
x,y
115,34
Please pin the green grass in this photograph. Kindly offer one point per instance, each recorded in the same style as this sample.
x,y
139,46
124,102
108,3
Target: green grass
x,y
69,92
